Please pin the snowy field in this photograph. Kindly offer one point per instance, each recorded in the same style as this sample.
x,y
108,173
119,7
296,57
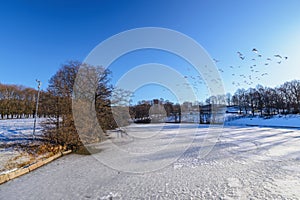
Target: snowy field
x,y
14,131
168,161
18,129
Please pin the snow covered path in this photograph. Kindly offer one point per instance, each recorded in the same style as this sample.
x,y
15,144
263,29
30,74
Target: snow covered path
x,y
249,162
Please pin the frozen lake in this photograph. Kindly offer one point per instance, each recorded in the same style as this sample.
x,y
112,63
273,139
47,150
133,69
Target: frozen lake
x,y
171,162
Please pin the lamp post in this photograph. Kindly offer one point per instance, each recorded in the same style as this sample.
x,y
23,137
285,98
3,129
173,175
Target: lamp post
x,y
36,107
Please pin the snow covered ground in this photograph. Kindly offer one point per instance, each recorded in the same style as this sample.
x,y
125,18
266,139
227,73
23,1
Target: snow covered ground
x,y
288,121
17,129
14,131
168,161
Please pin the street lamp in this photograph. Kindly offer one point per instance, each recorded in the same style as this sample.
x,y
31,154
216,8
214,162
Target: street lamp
x,y
36,107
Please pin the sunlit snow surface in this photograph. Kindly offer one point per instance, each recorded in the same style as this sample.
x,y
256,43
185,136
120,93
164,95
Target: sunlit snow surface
x,y
18,129
245,163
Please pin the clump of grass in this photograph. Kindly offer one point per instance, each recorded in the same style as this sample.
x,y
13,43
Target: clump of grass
x,y
27,154
20,160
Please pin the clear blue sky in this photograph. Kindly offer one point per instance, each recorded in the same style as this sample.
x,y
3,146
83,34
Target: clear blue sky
x,y
36,37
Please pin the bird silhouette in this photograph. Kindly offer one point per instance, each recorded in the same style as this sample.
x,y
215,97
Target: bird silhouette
x,y
241,55
255,50
278,56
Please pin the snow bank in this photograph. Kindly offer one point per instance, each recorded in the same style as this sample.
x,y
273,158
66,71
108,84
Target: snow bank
x,y
280,121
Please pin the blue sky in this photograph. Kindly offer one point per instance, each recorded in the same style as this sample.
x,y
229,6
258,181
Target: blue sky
x,y
36,37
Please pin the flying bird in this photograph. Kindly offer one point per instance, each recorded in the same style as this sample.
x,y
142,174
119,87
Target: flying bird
x,y
241,55
278,56
255,50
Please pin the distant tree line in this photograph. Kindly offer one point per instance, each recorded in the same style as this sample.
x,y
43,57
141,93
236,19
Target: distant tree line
x,y
17,101
142,110
284,99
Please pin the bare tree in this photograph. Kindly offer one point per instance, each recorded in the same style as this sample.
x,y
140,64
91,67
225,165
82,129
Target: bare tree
x,y
91,103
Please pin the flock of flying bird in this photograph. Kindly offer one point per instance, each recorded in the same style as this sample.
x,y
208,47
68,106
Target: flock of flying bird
x,y
255,70
258,65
